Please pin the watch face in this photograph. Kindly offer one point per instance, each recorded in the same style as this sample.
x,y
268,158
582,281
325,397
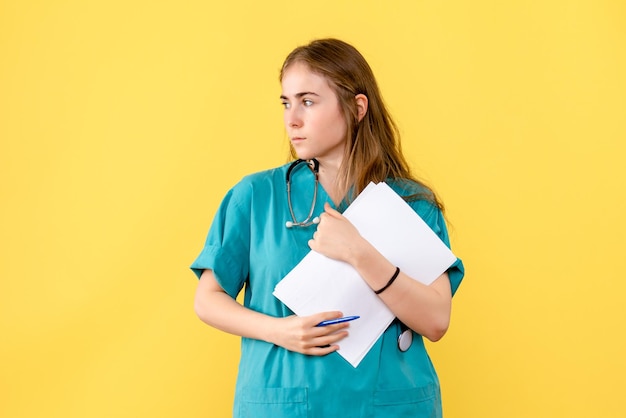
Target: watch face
x,y
405,340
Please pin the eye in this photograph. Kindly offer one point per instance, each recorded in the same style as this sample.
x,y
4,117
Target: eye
x,y
308,102
286,105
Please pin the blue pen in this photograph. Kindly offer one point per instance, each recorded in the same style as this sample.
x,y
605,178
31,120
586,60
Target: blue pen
x,y
337,321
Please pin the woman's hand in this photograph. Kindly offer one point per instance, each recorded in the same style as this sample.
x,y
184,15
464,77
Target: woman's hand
x,y
425,309
301,333
335,237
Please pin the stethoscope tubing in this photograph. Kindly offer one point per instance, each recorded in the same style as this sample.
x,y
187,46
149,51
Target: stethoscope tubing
x,y
314,166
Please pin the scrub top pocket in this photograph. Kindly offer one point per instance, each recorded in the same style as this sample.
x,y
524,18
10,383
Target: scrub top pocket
x,y
272,403
413,402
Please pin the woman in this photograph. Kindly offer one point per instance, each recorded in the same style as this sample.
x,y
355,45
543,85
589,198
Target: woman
x,y
335,118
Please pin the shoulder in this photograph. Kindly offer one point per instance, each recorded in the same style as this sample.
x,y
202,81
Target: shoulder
x,y
261,182
406,187
264,177
420,198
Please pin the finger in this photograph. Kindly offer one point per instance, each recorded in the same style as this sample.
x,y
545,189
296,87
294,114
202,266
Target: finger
x,y
330,339
329,331
323,350
324,316
336,327
329,209
323,219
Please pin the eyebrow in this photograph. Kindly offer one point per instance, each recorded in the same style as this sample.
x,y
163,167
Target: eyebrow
x,y
298,95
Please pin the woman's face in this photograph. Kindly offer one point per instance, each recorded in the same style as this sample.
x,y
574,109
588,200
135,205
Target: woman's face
x,y
313,117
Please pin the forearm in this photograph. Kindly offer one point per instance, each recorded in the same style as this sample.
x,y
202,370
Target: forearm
x,y
219,310
300,334
425,309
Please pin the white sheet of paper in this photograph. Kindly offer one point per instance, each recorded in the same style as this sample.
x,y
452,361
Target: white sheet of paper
x,y
319,283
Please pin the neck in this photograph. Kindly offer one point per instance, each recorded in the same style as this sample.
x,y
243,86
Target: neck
x,y
328,179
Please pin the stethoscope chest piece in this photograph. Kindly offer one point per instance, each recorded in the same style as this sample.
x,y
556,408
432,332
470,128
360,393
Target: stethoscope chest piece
x,y
405,339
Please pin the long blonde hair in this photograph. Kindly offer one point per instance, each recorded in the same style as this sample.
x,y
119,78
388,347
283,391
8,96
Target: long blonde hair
x,y
373,152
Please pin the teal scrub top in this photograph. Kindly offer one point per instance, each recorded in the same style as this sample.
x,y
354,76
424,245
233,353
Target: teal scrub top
x,y
249,245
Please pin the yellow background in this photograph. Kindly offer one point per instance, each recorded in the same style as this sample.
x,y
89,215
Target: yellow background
x,y
123,123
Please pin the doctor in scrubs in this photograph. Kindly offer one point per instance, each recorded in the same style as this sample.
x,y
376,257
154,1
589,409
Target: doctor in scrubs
x,y
339,127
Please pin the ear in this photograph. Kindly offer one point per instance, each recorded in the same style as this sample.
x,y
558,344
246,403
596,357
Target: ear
x,y
361,105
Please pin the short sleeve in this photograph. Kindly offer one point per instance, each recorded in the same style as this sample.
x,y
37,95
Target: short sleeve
x,y
227,247
436,221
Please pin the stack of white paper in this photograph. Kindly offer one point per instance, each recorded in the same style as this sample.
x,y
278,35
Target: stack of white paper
x,y
319,283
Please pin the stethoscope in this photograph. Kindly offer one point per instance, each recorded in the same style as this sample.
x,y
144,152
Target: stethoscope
x,y
405,337
314,166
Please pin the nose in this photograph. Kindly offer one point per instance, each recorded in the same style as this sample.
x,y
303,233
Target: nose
x,y
292,118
